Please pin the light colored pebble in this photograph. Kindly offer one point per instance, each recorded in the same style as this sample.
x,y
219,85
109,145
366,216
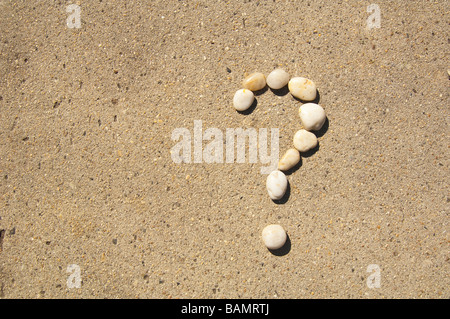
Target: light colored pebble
x,y
304,140
312,116
302,88
274,236
276,184
289,159
243,99
255,81
277,79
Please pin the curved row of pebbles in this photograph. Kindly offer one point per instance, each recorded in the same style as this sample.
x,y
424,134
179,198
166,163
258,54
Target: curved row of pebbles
x,y
312,117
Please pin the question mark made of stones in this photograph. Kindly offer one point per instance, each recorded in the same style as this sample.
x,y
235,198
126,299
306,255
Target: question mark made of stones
x,y
312,116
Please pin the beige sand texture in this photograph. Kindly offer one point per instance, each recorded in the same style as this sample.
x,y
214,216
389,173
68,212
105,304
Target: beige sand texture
x,y
87,177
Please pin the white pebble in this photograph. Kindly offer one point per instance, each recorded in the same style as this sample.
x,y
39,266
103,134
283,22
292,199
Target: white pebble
x,y
255,81
303,88
289,159
276,184
243,99
277,79
274,236
304,140
312,116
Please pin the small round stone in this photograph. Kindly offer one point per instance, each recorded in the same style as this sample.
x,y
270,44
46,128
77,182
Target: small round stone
x,y
304,140
274,236
289,159
302,88
243,99
278,79
312,116
255,81
276,184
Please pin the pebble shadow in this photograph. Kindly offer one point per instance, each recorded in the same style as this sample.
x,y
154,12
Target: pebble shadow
x,y
316,100
323,129
311,152
260,92
281,92
286,196
250,109
294,169
283,250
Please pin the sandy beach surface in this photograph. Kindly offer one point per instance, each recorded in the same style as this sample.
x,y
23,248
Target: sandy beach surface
x,y
93,203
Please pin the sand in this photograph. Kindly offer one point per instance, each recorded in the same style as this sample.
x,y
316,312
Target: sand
x,y
87,177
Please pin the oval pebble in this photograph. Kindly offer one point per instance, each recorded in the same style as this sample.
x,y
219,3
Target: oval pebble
x,y
312,116
277,79
289,159
255,81
274,236
302,88
304,140
243,99
276,184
